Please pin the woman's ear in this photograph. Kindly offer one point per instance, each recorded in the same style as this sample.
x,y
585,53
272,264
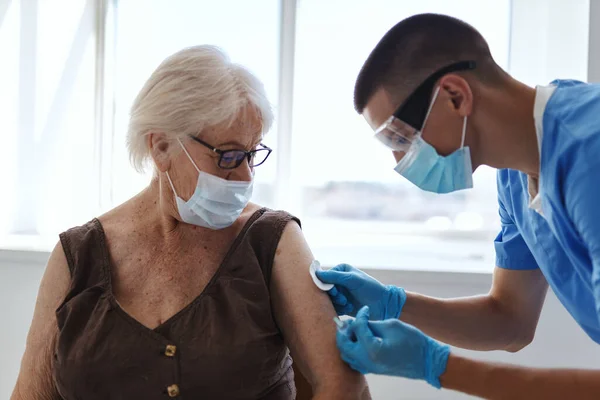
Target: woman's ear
x,y
460,94
159,150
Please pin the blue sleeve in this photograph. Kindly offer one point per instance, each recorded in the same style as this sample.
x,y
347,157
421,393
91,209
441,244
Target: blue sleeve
x,y
582,201
511,250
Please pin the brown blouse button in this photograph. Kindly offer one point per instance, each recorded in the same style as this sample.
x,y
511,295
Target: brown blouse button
x,y
170,350
173,390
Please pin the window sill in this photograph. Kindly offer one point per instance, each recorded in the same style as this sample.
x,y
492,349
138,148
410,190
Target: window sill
x,y
33,243
448,273
25,250
23,258
366,251
402,251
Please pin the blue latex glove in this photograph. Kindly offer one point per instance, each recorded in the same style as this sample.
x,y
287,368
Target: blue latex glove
x,y
354,289
391,347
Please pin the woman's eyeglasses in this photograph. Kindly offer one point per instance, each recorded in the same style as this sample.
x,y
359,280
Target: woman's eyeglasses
x,y
230,159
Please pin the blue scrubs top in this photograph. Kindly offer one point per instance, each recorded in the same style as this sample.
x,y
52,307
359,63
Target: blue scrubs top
x,y
565,242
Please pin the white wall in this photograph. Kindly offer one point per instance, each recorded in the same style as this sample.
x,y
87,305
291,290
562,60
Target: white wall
x,y
550,40
559,341
594,43
20,275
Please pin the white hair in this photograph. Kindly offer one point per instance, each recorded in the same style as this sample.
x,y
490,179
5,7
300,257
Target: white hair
x,y
194,89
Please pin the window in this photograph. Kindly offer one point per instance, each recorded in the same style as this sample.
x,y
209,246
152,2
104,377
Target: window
x,y
47,98
69,80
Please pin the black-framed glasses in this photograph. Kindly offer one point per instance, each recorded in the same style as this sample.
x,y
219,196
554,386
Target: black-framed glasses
x,y
230,159
399,130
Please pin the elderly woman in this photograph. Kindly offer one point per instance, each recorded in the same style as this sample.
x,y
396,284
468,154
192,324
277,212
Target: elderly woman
x,y
187,290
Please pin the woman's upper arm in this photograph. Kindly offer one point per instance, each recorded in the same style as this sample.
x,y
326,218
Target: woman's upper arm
x,y
35,377
305,316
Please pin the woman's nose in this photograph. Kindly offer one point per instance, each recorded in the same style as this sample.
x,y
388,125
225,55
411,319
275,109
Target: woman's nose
x,y
242,173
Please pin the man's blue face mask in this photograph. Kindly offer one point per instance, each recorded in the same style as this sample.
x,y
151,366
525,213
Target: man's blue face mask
x,y
421,164
428,170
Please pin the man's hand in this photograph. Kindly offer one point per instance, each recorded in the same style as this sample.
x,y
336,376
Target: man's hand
x,y
392,347
355,289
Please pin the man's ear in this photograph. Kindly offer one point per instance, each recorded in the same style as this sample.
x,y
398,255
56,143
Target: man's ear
x,y
459,94
159,150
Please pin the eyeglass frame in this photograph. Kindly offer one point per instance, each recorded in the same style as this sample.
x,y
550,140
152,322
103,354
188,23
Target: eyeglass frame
x,y
248,154
414,109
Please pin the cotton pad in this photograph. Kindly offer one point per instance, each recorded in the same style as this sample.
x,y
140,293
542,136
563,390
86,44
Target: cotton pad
x,y
340,324
316,266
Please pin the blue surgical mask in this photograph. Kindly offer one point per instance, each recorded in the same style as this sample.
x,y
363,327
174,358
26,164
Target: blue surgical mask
x,y
428,170
216,203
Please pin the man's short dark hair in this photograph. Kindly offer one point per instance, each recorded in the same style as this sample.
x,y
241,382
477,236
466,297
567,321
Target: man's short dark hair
x,y
416,47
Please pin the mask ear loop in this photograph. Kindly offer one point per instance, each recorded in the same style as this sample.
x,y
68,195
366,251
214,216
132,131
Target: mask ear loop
x,y
193,163
435,95
171,183
188,154
464,132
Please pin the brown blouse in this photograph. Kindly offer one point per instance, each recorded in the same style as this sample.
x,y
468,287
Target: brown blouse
x,y
224,345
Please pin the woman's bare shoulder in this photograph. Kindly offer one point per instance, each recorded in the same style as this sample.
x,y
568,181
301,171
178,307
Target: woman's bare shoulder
x,y
303,312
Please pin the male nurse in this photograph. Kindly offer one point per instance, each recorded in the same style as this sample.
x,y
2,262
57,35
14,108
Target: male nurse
x,y
433,94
